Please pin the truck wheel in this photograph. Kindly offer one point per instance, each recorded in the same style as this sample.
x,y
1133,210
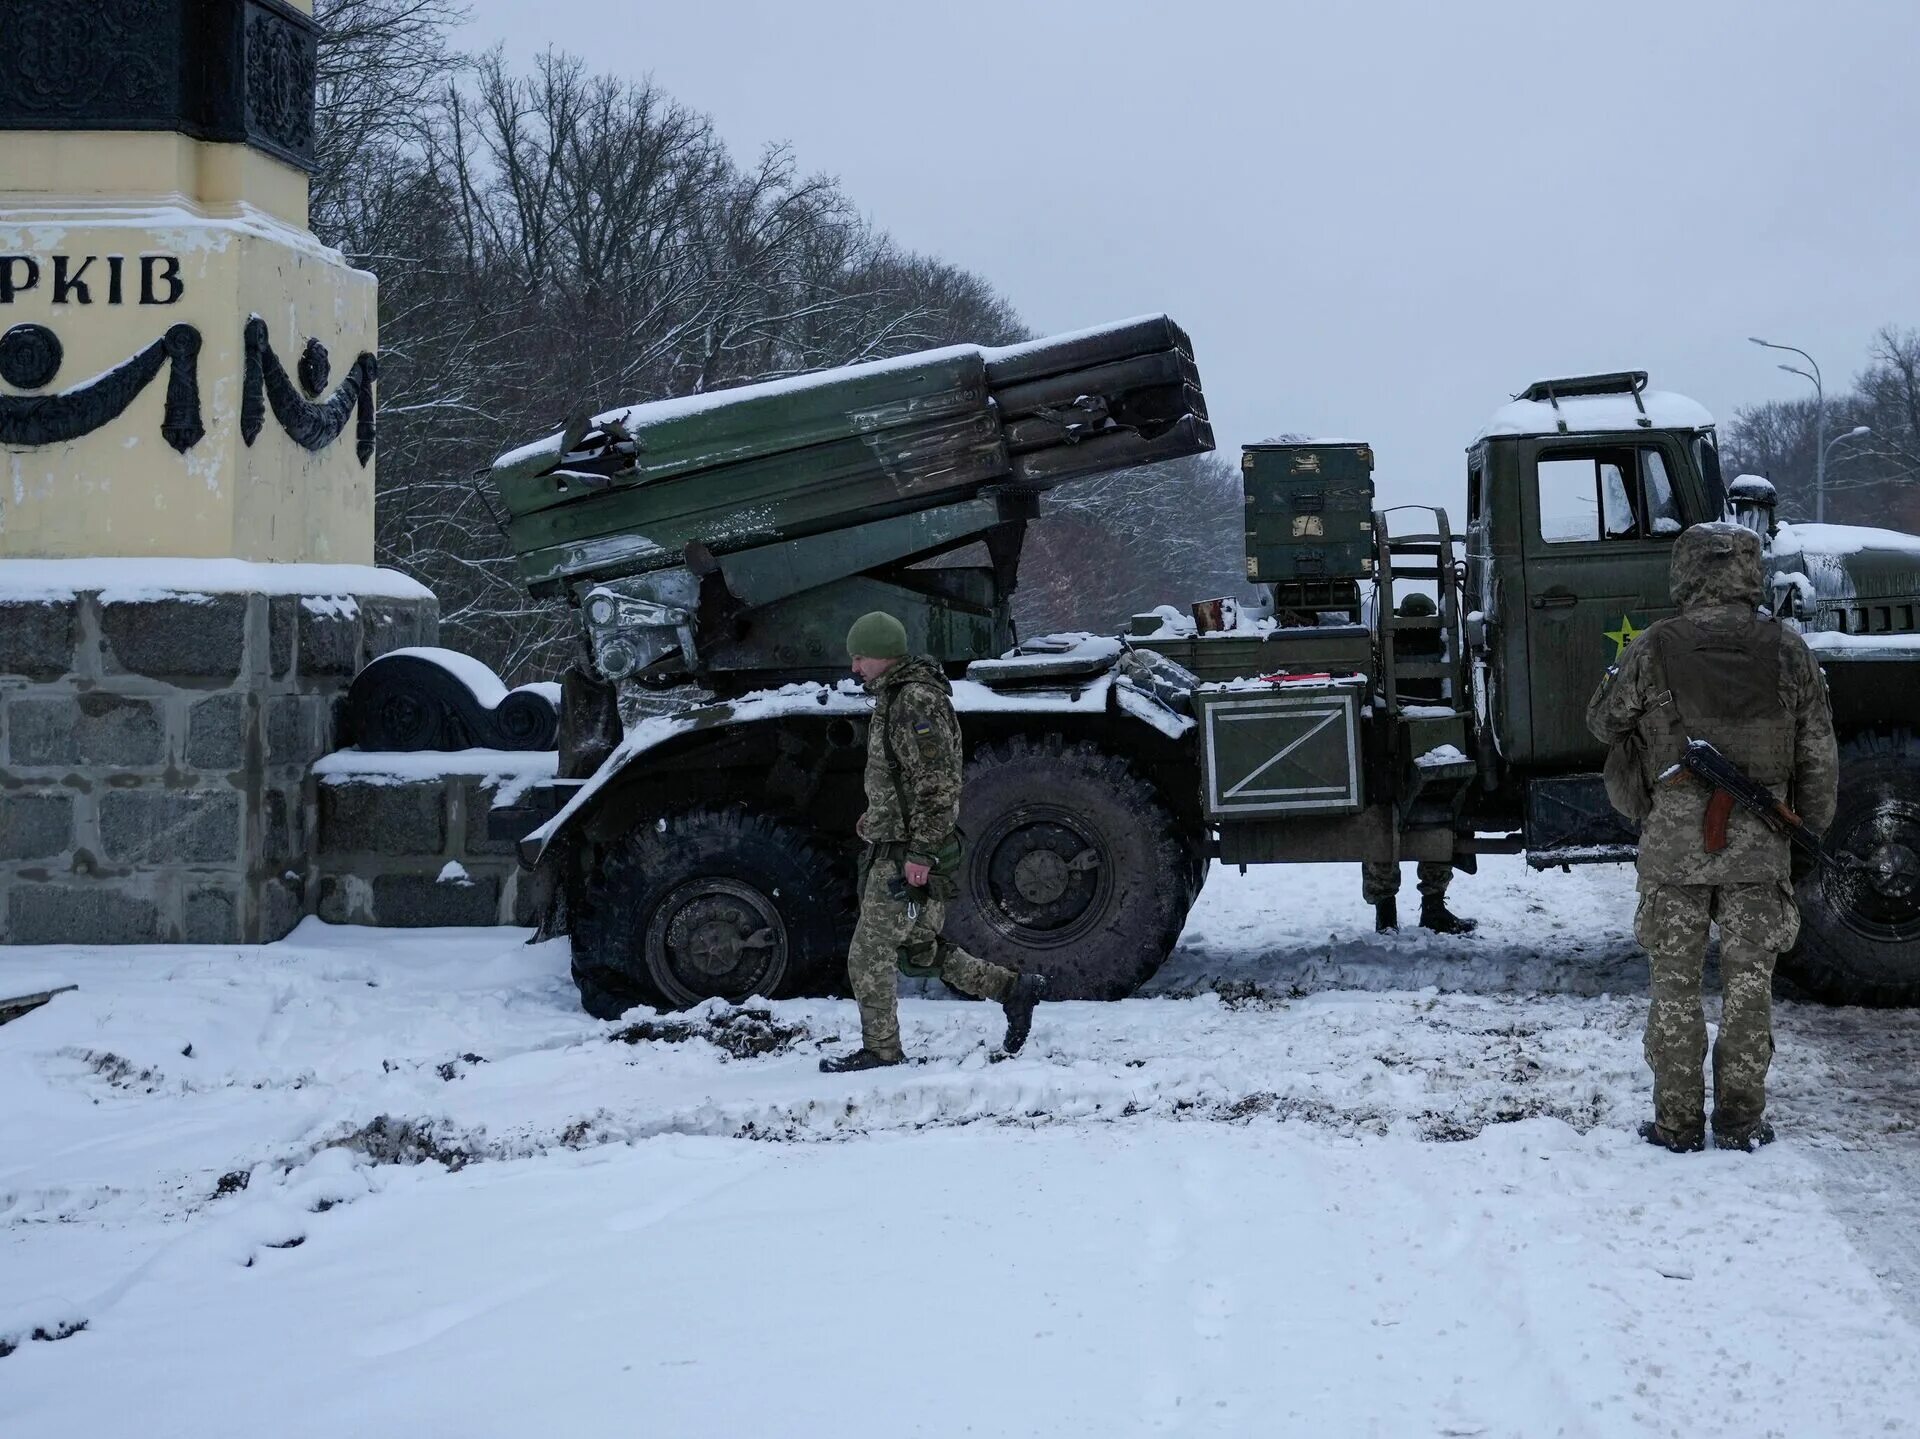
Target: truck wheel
x,y
1198,864
1860,933
602,995
709,903
1073,868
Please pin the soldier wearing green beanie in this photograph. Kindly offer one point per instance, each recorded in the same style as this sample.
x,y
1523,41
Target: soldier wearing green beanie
x,y
910,868
877,636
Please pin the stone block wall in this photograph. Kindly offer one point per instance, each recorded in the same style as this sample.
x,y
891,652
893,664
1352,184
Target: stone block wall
x,y
155,756
410,848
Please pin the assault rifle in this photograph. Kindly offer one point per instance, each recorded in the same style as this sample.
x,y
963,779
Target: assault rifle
x,y
1732,785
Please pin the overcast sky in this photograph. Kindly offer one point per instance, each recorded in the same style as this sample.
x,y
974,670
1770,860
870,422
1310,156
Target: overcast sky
x,y
1377,220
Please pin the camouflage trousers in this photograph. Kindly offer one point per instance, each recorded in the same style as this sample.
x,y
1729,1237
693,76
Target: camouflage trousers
x,y
1757,922
885,937
1380,879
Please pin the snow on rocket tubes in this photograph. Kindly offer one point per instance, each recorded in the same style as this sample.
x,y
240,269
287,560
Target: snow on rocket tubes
x,y
630,490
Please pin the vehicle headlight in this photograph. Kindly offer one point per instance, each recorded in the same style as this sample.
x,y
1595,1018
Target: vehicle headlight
x,y
616,661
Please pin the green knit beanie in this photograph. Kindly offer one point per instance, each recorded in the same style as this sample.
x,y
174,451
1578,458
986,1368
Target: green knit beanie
x,y
877,636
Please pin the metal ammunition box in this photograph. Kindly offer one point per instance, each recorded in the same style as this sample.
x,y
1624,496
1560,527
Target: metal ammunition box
x,y
1280,749
1337,649
1309,511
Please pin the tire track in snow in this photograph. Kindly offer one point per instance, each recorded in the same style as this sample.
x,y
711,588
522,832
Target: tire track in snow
x,y
1849,1089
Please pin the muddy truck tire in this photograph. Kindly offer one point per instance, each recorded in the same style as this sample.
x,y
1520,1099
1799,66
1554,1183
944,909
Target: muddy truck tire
x,y
1860,932
1073,868
708,903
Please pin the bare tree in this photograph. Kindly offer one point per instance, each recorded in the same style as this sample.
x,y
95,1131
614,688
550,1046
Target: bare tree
x,y
1870,480
1120,544
551,241
380,63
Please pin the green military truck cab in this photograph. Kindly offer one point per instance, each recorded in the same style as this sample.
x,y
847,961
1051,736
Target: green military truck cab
x,y
1575,494
706,847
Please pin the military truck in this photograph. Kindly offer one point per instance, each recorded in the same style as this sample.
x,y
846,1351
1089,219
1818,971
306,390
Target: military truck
x,y
718,548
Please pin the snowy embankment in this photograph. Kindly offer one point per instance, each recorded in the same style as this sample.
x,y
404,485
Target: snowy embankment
x,y
363,1182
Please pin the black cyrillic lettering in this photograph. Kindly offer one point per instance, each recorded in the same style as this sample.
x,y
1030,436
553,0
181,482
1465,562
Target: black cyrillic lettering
x,y
65,284
115,263
29,276
170,275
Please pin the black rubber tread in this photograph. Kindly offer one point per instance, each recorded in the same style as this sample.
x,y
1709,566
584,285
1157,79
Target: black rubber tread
x,y
601,999
804,877
1154,878
1833,962
1198,865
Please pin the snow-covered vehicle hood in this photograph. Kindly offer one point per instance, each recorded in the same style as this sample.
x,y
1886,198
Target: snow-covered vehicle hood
x,y
1851,587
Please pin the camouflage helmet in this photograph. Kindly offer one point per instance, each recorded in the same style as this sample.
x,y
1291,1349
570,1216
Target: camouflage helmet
x,y
1717,564
1416,606
877,636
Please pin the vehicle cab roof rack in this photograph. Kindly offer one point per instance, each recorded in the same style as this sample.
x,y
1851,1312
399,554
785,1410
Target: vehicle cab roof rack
x,y
1616,382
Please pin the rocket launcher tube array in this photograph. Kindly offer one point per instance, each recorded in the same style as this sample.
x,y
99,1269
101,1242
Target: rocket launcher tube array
x,y
625,493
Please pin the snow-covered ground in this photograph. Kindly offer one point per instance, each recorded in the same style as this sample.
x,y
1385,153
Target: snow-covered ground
x,y
368,1183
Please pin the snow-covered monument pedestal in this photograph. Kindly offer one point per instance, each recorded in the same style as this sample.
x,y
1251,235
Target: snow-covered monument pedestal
x,y
187,449
159,719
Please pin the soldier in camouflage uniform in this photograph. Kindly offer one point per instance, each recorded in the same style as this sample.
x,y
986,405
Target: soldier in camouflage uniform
x,y
1380,886
1380,879
1721,672
907,874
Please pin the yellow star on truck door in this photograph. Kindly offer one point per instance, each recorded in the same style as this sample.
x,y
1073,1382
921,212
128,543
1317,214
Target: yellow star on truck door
x,y
1622,637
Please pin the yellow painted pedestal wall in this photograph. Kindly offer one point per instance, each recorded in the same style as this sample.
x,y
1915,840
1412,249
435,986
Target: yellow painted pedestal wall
x,y
108,242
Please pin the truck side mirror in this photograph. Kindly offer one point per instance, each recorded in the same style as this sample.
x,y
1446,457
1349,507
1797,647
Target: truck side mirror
x,y
1751,501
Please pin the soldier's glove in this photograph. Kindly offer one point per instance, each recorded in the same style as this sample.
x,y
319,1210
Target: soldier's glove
x,y
914,896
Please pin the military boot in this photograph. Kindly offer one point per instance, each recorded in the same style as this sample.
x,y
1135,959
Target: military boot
x,y
1386,916
1744,1137
1676,1141
1021,998
860,1059
1435,915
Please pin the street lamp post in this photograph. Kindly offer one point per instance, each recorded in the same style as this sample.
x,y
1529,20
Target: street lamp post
x,y
1853,434
1820,422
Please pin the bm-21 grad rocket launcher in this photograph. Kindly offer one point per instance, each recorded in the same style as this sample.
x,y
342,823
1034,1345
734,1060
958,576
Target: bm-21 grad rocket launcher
x,y
731,538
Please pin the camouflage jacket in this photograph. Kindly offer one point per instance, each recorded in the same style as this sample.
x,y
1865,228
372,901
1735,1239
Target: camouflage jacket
x,y
913,756
1717,583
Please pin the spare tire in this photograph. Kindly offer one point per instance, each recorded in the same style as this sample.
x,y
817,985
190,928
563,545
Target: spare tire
x,y
709,903
1860,928
1073,867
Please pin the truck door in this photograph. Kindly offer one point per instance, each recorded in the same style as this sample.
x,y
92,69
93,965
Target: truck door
x,y
1597,536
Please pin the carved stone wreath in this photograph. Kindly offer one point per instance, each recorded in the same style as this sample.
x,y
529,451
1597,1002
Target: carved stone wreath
x,y
69,414
30,357
311,425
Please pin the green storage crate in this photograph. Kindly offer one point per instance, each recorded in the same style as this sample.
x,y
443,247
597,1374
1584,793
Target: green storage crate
x,y
1280,749
1309,511
1213,658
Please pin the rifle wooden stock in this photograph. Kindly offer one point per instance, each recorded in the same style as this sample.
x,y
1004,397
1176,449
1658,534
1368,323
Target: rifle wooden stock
x,y
1714,827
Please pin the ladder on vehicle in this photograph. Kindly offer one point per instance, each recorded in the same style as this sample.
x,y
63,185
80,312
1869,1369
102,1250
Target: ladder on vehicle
x,y
1422,556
